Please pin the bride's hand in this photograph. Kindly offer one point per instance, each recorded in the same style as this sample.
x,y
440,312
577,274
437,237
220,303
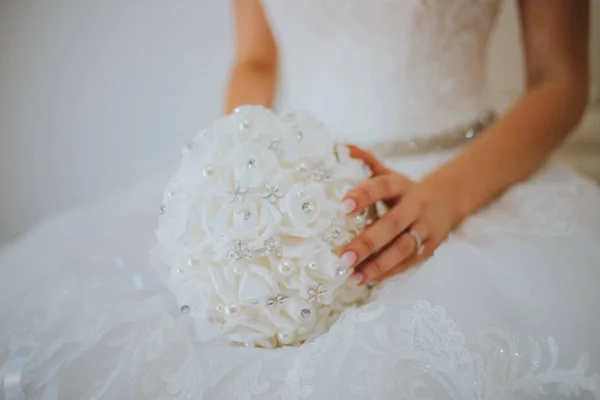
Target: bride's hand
x,y
418,212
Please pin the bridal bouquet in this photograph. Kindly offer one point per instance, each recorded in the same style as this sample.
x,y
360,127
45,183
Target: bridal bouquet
x,y
251,225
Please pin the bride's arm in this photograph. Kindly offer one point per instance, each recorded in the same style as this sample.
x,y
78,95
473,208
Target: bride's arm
x,y
555,37
555,42
254,73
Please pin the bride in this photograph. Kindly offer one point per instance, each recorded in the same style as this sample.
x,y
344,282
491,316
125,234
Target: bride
x,y
501,300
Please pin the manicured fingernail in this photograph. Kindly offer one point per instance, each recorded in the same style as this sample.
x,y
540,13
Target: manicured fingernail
x,y
348,259
357,278
348,205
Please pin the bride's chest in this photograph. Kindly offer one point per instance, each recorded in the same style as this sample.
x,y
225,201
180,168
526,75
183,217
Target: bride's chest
x,y
328,17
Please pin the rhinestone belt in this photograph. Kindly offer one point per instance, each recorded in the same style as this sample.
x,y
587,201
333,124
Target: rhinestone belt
x,y
442,141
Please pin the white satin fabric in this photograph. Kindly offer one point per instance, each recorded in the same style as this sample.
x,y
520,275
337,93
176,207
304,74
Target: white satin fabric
x,y
505,309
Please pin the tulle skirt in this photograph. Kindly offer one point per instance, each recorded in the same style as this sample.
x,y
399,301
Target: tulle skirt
x,y
507,308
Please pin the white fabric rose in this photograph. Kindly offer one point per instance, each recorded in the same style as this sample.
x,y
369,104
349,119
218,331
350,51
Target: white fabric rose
x,y
250,224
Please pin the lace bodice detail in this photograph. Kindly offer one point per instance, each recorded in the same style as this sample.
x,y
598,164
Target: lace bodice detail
x,y
383,69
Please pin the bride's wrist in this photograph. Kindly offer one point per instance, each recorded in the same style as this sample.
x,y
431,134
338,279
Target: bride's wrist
x,y
453,194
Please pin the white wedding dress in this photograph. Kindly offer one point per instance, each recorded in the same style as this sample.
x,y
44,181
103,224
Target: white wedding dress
x,y
507,308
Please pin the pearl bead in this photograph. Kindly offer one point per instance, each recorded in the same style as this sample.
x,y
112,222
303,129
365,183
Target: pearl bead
x,y
219,307
284,267
208,171
284,337
302,330
307,207
231,309
185,309
237,110
305,313
470,133
312,265
340,271
162,209
251,163
244,125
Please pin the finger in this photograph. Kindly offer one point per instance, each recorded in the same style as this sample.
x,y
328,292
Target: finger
x,y
382,187
412,261
376,166
379,266
378,235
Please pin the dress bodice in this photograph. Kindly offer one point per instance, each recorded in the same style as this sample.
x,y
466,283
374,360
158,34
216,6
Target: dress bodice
x,y
383,70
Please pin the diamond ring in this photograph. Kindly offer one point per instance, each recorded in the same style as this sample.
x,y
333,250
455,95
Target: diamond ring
x,y
418,240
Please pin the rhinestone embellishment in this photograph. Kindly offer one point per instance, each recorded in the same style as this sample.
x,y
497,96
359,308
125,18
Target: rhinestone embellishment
x,y
315,293
162,209
276,300
247,215
272,193
340,271
307,207
208,171
305,313
185,309
251,163
273,247
239,251
237,193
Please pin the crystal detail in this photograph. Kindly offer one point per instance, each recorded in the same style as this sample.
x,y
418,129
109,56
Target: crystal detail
x,y
299,136
237,110
208,171
237,193
334,233
245,125
321,174
271,193
305,313
316,292
251,163
312,265
340,271
307,207
239,251
185,309
192,261
283,337
219,308
273,247
470,133
276,300
162,209
247,215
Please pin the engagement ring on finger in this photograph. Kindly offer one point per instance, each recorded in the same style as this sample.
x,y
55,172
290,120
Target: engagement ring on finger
x,y
418,239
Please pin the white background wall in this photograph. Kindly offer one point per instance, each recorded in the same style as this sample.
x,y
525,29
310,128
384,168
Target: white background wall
x,y
97,95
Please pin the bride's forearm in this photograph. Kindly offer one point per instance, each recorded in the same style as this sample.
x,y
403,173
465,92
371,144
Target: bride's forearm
x,y
513,148
251,83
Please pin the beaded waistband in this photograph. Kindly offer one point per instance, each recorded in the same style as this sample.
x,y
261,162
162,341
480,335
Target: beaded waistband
x,y
445,140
